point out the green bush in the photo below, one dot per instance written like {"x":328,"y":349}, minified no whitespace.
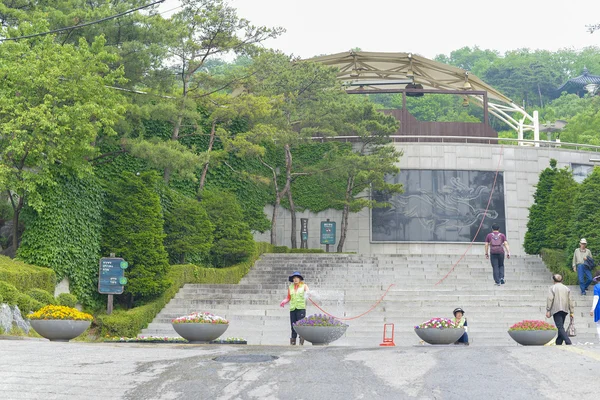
{"x":233,"y":240}
{"x":42,"y":296}
{"x":280,"y":249}
{"x":558,"y":262}
{"x":306,"y":251}
{"x":9,"y":293}
{"x":128,"y":323}
{"x":24,"y":276}
{"x":1,"y":299}
{"x":134,"y":230}
{"x":27,"y":304}
{"x":66,"y":299}
{"x":535,"y":237}
{"x":559,"y":210}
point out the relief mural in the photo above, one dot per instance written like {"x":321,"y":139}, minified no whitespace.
{"x":439,"y":206}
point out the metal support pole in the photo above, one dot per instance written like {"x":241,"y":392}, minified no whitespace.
{"x":109,"y":301}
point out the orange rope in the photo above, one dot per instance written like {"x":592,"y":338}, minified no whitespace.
{"x":482,"y":219}
{"x":358,"y":316}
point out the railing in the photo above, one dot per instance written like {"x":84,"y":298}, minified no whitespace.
{"x":473,"y":140}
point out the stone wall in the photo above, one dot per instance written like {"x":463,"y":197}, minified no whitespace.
{"x":521,"y":166}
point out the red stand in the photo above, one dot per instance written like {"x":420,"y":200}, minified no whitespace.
{"x":388,"y":341}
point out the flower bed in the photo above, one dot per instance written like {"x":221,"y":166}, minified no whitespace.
{"x":146,"y":339}
{"x":200,"y":318}
{"x":319,"y":320}
{"x":438,"y":323}
{"x":60,"y":313}
{"x":532,"y":325}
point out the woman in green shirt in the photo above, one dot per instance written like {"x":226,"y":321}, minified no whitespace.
{"x":461,"y":321}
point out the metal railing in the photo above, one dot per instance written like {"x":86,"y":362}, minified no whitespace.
{"x":473,"y":140}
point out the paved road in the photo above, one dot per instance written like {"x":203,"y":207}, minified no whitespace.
{"x":36,"y":369}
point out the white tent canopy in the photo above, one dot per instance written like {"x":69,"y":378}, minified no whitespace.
{"x":374,"y":71}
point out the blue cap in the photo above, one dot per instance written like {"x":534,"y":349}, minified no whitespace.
{"x":295,"y":273}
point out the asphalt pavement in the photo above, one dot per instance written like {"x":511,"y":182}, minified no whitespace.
{"x":38,"y":369}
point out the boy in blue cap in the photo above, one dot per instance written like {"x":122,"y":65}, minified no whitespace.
{"x":297,"y":294}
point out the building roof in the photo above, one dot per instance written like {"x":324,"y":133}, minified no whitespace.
{"x":575,"y":85}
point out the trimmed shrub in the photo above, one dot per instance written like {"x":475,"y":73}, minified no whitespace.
{"x":128,"y":323}
{"x":535,"y":237}
{"x":27,"y":304}
{"x":280,"y":249}
{"x":42,"y":296}
{"x":559,"y":211}
{"x":9,"y":293}
{"x":306,"y":251}
{"x":134,"y":230}
{"x":66,"y":299}
{"x":24,"y":276}
{"x":558,"y":262}
{"x":1,"y":299}
{"x":586,"y":215}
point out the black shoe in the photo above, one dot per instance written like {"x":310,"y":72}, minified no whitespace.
{"x":502,"y":281}
{"x":583,"y":293}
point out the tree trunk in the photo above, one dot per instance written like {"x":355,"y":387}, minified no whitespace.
{"x":274,"y":219}
{"x":293,"y":216}
{"x":279,"y":195}
{"x":17,"y":206}
{"x":345,"y":213}
{"x":210,"y":146}
{"x":174,"y":136}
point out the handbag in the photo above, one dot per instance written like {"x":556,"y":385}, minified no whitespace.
{"x":571,"y":331}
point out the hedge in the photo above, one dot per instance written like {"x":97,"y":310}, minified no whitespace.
{"x":128,"y":323}
{"x":26,"y":277}
{"x":285,"y":249}
{"x":12,"y":296}
{"x":558,"y":262}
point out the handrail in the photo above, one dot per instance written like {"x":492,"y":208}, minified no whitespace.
{"x":476,"y":140}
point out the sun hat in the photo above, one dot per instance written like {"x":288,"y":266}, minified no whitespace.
{"x":458,"y":310}
{"x":295,"y":273}
{"x":583,"y":241}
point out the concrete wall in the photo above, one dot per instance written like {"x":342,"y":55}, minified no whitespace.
{"x":521,"y":166}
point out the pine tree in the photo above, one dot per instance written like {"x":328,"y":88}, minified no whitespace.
{"x":536,"y":226}
{"x":586,"y":214}
{"x":133,"y":229}
{"x":559,"y":211}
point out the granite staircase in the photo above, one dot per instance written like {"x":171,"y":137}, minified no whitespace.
{"x":347,"y":285}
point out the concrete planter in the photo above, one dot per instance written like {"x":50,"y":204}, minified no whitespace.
{"x":440,"y":335}
{"x":59,"y":330}
{"x":321,"y":335}
{"x":532,"y":338}
{"x":200,"y":332}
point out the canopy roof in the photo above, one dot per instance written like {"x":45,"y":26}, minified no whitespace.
{"x":376,"y":71}
{"x":574,"y":85}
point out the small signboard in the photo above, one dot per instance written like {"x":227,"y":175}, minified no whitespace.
{"x":327,"y":232}
{"x":304,"y":229}
{"x":111,"y":277}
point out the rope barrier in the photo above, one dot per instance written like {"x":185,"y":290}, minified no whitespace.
{"x":480,"y":224}
{"x":358,"y":316}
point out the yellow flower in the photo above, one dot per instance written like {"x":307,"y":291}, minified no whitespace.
{"x":60,"y":312}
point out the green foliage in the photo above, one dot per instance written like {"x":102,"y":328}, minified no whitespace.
{"x":189,"y":231}
{"x":133,"y":230}
{"x":281,"y":249}
{"x":9,"y":293}
{"x":129,"y":323}
{"x":65,"y":235}
{"x":586,"y":214}
{"x":558,"y":262}
{"x":27,"y":304}
{"x":42,"y":296}
{"x":535,"y":237}
{"x":66,"y":299}
{"x":559,"y":210}
{"x":25,"y":277}
{"x":233,"y":240}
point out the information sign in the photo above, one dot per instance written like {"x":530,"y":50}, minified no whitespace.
{"x":327,"y":232}
{"x":111,"y":276}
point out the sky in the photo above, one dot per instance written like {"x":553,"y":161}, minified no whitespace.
{"x":426,"y":27}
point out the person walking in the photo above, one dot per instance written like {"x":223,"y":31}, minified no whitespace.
{"x":595,"y":312}
{"x":461,"y":321}
{"x":583,"y":273}
{"x":558,"y":305}
{"x":495,"y":244}
{"x":296,"y":296}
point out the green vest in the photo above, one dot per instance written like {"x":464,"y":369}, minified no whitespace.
{"x":297,"y":301}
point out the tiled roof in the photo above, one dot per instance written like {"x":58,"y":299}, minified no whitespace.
{"x":579,"y":82}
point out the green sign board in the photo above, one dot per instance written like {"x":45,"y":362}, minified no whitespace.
{"x":327,"y":232}
{"x":111,"y":277}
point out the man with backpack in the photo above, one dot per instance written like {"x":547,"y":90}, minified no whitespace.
{"x":495,"y":243}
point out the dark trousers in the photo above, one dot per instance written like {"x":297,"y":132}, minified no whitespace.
{"x":296,"y":315}
{"x":559,"y":321}
{"x":497,"y":261}
{"x":585,"y":277}
{"x":465,"y":337}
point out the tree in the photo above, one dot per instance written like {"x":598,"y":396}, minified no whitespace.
{"x":559,"y":211}
{"x":189,"y":231}
{"x":535,"y":237}
{"x":586,"y":215}
{"x":233,"y":240}
{"x":134,"y":230}
{"x":54,"y":100}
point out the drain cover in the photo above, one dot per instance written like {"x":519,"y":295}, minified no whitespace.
{"x":248,"y":358}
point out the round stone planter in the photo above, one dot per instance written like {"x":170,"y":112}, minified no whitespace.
{"x":199,"y":332}
{"x":440,"y":335}
{"x":59,"y":330}
{"x":321,"y":335}
{"x":532,"y":338}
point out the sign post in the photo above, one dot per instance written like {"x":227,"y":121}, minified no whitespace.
{"x":111,"y":278}
{"x":327,"y":234}
{"x":304,"y":233}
